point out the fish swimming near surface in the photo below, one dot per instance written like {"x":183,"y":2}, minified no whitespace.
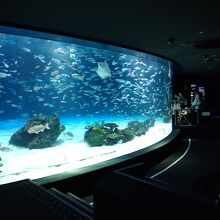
{"x":3,"y":75}
{"x":103,"y":70}
{"x":26,"y":49}
{"x":77,"y":76}
{"x":38,"y":128}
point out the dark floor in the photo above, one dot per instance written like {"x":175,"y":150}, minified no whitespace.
{"x":200,"y":167}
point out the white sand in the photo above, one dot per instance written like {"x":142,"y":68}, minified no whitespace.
{"x":22,"y":163}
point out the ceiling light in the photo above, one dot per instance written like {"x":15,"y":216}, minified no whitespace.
{"x":170,"y":41}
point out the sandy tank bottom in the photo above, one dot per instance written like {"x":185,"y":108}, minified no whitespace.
{"x":68,"y":153}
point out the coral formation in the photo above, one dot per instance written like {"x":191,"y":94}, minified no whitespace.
{"x":101,"y":133}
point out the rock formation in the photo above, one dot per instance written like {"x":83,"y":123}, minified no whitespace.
{"x":39,"y":132}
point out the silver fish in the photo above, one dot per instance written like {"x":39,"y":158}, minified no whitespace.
{"x":38,"y":128}
{"x":3,"y":75}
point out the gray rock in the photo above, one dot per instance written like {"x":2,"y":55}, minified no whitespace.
{"x":44,"y":138}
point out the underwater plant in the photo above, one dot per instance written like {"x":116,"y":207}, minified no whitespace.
{"x":97,"y":124}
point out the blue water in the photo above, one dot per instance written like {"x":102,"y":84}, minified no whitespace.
{"x":82,"y":82}
{"x":75,"y":125}
{"x":40,"y":76}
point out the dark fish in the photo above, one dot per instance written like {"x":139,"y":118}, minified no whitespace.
{"x":69,"y":133}
{"x":5,"y":149}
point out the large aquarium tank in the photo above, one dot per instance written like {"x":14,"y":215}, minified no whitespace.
{"x":69,"y":103}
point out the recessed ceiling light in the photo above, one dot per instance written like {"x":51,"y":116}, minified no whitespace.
{"x":170,"y":41}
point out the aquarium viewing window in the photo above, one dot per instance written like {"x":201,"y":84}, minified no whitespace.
{"x":68,"y":103}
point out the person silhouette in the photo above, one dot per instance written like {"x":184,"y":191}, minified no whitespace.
{"x":196,"y":106}
{"x":197,"y":102}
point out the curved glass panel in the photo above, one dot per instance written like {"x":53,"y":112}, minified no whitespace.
{"x":68,"y":103}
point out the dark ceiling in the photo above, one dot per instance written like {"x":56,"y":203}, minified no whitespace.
{"x":187,"y":32}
